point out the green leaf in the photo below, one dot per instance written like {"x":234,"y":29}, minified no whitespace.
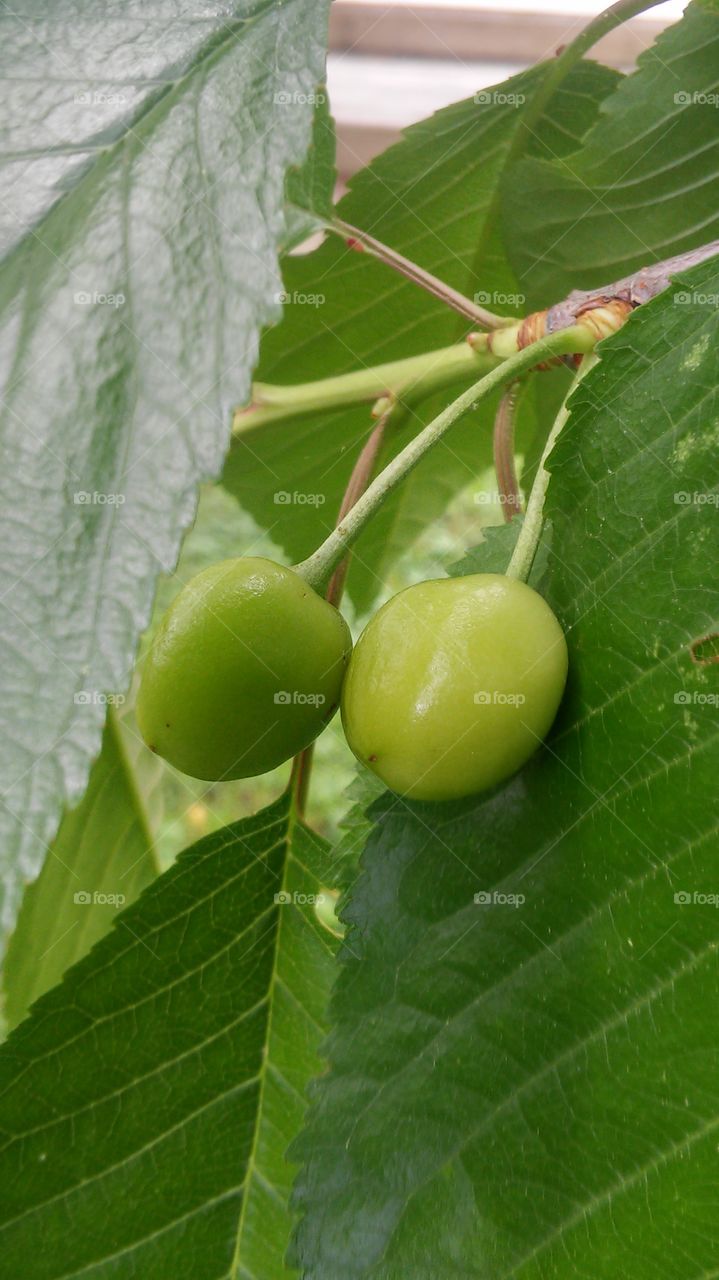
{"x":526,"y":1088}
{"x":139,"y":264}
{"x":643,"y":186}
{"x":101,"y":858}
{"x":493,"y":553}
{"x":355,"y":826}
{"x":147,"y":1101}
{"x":309,"y":186}
{"x":432,"y":197}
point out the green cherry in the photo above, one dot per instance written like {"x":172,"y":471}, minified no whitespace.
{"x":245,"y":671}
{"x":454,"y":684}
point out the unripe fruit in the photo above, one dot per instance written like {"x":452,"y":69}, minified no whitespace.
{"x":246,"y":670}
{"x":453,"y":685}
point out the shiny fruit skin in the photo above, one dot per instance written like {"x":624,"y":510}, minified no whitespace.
{"x":245,"y":670}
{"x":432,"y":701}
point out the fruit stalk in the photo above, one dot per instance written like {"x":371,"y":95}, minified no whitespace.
{"x":568,"y":56}
{"x":525,"y":549}
{"x":318,"y":568}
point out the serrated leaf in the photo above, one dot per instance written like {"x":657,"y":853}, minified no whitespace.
{"x":356,"y":825}
{"x":643,"y":186}
{"x":101,"y":858}
{"x":164,"y":1077}
{"x":309,"y":186}
{"x":432,"y":197}
{"x":493,"y":553}
{"x":524,"y":1087}
{"x":145,"y":163}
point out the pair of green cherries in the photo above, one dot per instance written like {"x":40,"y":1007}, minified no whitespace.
{"x":451,"y":687}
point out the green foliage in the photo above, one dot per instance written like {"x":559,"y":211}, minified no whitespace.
{"x":166,"y":1074}
{"x":643,"y":186}
{"x":518,"y":1086}
{"x":493,"y":553}
{"x":139,"y":263}
{"x":101,"y":858}
{"x":562,"y":1044}
{"x":309,"y":186}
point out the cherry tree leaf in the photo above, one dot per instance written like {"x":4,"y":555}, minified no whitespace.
{"x":144,"y":158}
{"x":102,"y":857}
{"x":166,"y":1074}
{"x":643,"y":186}
{"x":521,"y":1077}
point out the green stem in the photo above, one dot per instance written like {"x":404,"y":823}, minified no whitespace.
{"x":571,"y":54}
{"x":414,"y":375}
{"x":525,"y":549}
{"x":318,"y":568}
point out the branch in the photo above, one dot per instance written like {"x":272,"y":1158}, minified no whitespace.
{"x":601,"y":311}
{"x":632,"y":290}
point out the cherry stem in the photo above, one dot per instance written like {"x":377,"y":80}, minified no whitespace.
{"x":356,"y":486}
{"x":504,"y":464}
{"x":318,"y":568}
{"x":568,"y":57}
{"x":525,"y":548}
{"x":300,"y":779}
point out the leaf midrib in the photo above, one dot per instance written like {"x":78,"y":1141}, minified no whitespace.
{"x":271,"y":986}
